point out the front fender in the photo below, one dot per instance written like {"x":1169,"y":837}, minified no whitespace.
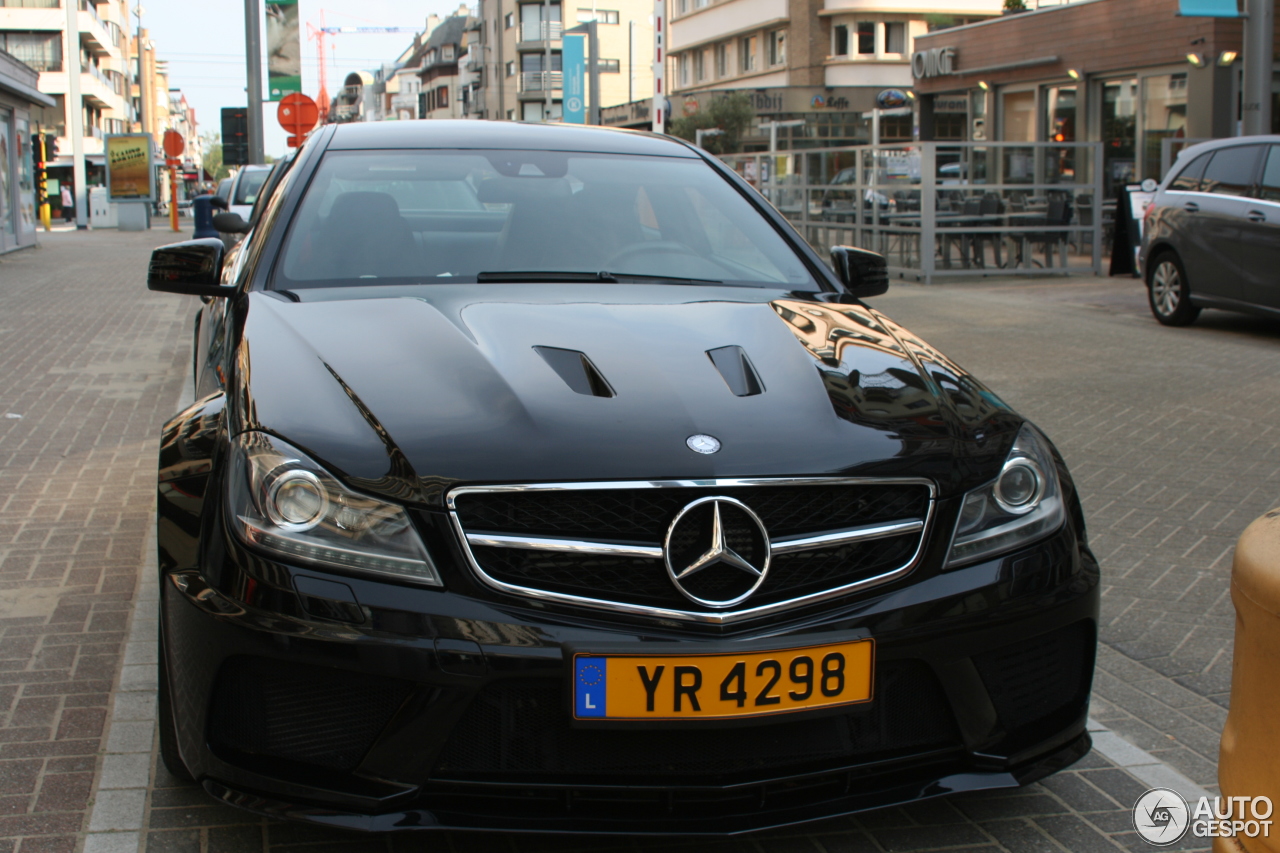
{"x":187,"y":447}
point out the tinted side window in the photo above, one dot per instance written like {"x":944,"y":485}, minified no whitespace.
{"x":1270,"y":189}
{"x":1188,"y":180}
{"x":1230,"y":172}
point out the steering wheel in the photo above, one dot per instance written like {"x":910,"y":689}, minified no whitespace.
{"x":669,"y":247}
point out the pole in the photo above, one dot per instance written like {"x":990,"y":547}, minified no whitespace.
{"x":253,"y":65}
{"x":593,"y":74}
{"x":546,"y":60}
{"x":142,"y":92}
{"x":659,"y":67}
{"x":498,"y":79}
{"x":173,"y":198}
{"x":74,"y":112}
{"x":45,"y":216}
{"x":1259,"y":52}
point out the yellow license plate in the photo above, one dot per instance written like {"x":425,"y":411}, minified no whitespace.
{"x":720,"y":686}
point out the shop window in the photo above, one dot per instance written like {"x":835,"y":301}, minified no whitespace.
{"x":1164,"y":116}
{"x":895,"y":37}
{"x":1019,"y":116}
{"x":866,"y":38}
{"x":896,"y":128}
{"x":1060,"y":113}
{"x":840,"y":40}
{"x":722,"y":60}
{"x":747,"y":47}
{"x":949,"y":126}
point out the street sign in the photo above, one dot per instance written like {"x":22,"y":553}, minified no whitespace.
{"x":174,"y":144}
{"x":297,"y":114}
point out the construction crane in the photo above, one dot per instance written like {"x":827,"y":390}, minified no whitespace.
{"x":319,"y":33}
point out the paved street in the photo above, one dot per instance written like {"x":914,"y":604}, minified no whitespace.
{"x":1169,"y":433}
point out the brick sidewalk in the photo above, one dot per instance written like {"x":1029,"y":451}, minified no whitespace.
{"x":92,"y":362}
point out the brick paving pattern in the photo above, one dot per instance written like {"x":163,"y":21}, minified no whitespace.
{"x":1168,"y":431}
{"x":90,"y":360}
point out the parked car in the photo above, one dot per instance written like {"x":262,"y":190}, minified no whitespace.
{"x":1211,"y":237}
{"x":544,"y":478}
{"x":245,"y":187}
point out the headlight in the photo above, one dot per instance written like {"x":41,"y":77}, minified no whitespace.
{"x":1022,"y":504}
{"x":283,"y":503}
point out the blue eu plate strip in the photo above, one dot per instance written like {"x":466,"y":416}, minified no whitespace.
{"x":590,"y":675}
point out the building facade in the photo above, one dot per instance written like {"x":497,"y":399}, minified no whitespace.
{"x":1048,"y":76}
{"x":19,"y":98}
{"x":515,"y":62}
{"x":824,"y":63}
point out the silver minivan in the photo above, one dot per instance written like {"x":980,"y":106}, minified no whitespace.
{"x":1211,"y":238}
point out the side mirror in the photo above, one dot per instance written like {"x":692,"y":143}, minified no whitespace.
{"x":230,"y":223}
{"x":193,"y":267}
{"x":220,"y":203}
{"x":863,"y":273}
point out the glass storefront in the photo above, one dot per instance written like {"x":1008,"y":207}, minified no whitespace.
{"x":8,"y":160}
{"x":1119,"y":121}
{"x":1164,"y":116}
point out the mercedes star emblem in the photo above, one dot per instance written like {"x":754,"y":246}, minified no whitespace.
{"x":717,"y":552}
{"x":703,"y":443}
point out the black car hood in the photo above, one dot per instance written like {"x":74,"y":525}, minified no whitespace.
{"x":407,"y":391}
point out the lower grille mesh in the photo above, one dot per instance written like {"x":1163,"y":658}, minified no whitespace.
{"x":1035,"y":680}
{"x":521,"y":727}
{"x":314,"y":715}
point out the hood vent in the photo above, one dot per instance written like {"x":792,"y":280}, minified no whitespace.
{"x":576,"y":370}
{"x":737,"y":370}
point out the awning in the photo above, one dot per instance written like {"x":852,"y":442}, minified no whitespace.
{"x":1209,"y":9}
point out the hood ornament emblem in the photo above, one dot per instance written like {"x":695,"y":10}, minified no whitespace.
{"x":717,"y":552}
{"x":704,"y":444}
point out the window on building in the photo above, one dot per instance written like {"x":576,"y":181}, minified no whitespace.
{"x":700,"y":65}
{"x":511,"y":69}
{"x":432,"y":56}
{"x":602,"y":16}
{"x":682,"y":69}
{"x":446,"y":53}
{"x":442,"y":97}
{"x":509,"y":21}
{"x":866,"y":38}
{"x":778,"y":47}
{"x":701,"y":4}
{"x":895,"y":37}
{"x":609,"y":66}
{"x":840,"y":40}
{"x":722,"y":60}
{"x":511,"y":115}
{"x":747,"y":47}
{"x":682,"y":6}
{"x":42,"y":51}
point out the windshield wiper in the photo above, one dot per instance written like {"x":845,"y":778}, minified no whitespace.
{"x":674,"y":279}
{"x":505,"y":276}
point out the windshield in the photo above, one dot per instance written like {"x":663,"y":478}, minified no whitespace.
{"x":391,"y":217}
{"x":249,"y":185}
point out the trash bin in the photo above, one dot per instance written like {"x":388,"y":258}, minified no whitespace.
{"x":202,"y":209}
{"x":1247,"y":760}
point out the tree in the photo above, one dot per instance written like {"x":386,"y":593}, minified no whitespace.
{"x":213,"y":164}
{"x":731,"y":112}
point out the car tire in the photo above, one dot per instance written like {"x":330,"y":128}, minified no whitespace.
{"x":168,"y":726}
{"x":1168,"y":293}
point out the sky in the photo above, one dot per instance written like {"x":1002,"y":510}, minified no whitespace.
{"x":206,"y":52}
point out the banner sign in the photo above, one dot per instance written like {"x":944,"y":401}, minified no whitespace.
{"x":574,"y":63}
{"x":284,"y":49}
{"x":129,"y":173}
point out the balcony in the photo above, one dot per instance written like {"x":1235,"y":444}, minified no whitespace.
{"x":30,"y":4}
{"x":539,"y":31}
{"x":540,"y":81}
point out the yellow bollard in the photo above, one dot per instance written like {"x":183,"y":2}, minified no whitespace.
{"x":1249,"y":758}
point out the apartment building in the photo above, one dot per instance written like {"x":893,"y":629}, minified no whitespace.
{"x":824,"y":62}
{"x":515,"y":63}
{"x":35,"y":32}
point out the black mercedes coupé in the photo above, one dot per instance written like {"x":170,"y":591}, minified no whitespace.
{"x":543,"y":478}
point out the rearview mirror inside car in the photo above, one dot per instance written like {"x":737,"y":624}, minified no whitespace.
{"x":230,"y":223}
{"x":193,"y":267}
{"x":863,"y":273}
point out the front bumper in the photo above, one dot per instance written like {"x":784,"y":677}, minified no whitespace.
{"x":439,"y":710}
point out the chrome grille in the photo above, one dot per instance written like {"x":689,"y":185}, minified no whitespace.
{"x":601,"y":544}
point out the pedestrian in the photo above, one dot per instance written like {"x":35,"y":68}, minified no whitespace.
{"x":68,"y":204}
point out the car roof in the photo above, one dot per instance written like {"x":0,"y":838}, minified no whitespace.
{"x":504,"y":135}
{"x":1213,"y":144}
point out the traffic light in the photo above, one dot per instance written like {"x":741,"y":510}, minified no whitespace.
{"x":50,"y":147}
{"x":235,"y":136}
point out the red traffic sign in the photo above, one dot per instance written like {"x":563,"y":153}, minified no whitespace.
{"x":297,"y":114}
{"x":174,"y":144}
